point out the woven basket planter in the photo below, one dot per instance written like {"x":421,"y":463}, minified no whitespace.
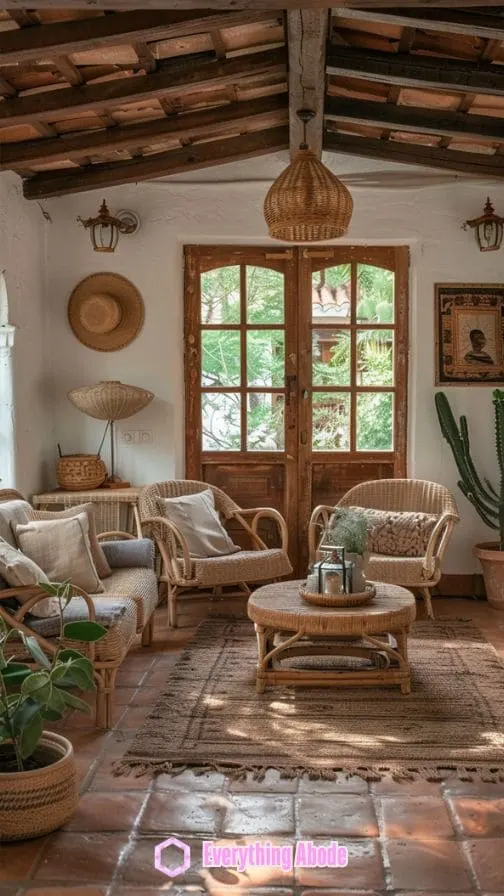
{"x":77,"y":472}
{"x":34,"y":803}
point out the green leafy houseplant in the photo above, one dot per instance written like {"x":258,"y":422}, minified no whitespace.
{"x":29,"y":697}
{"x":348,"y":528}
{"x":487,"y":500}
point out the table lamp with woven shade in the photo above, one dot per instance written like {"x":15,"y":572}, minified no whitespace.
{"x":307,"y":202}
{"x":111,"y":400}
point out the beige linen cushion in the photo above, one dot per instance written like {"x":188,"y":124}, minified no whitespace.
{"x":99,"y":558}
{"x":62,"y":549}
{"x":18,"y":570}
{"x":398,"y":533}
{"x":196,"y":517}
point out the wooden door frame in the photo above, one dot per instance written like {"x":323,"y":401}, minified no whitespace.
{"x":297,"y":458}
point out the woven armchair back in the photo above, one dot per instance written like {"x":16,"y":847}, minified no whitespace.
{"x":401,"y":495}
{"x":174,"y":488}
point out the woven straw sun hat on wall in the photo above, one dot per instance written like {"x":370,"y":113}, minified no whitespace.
{"x":106,"y":312}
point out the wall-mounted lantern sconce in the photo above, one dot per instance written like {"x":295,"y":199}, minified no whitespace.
{"x":105,"y":228}
{"x":489,"y":228}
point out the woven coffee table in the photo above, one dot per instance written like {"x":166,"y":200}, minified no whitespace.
{"x":287,"y":626}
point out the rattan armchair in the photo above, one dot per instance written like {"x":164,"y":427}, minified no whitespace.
{"x":400,"y":495}
{"x":228,"y":575}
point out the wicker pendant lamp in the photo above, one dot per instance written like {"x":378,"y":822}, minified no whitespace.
{"x":307,"y":202}
{"x":111,"y":400}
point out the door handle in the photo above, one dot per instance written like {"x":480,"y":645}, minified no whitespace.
{"x":306,"y":394}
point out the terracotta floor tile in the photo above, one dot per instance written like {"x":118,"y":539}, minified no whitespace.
{"x":364,"y":869}
{"x":17,"y":860}
{"x":480,"y":789}
{"x":420,"y":817}
{"x":388,"y":787}
{"x":81,"y":857}
{"x":134,"y":717}
{"x":341,"y":784}
{"x":106,"y":812}
{"x":64,"y":891}
{"x":429,"y":865}
{"x":487,"y":857}
{"x":182,"y":813}
{"x":189,"y":780}
{"x":259,"y":814}
{"x":480,"y":817}
{"x":147,"y":696}
{"x":272,"y":782}
{"x":345,"y":815}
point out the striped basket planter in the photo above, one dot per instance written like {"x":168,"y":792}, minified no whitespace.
{"x":34,"y":803}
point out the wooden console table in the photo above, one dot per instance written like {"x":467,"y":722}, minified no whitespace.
{"x":116,"y":508}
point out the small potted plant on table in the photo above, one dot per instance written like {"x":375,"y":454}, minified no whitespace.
{"x":349,"y":529}
{"x":38,"y":782}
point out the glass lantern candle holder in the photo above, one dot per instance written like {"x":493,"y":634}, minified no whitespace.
{"x":332,"y":566}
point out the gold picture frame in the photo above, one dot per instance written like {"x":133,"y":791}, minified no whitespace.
{"x":469,"y":321}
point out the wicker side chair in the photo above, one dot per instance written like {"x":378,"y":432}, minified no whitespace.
{"x":400,"y":495}
{"x":216,"y":577}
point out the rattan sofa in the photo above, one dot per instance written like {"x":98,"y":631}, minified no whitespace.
{"x":216,"y":577}
{"x":126,"y":607}
{"x":400,"y":495}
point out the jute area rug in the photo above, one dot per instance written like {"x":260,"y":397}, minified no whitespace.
{"x":210,"y":716}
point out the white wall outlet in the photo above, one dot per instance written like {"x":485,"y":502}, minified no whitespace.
{"x":129,"y":436}
{"x":145,"y":437}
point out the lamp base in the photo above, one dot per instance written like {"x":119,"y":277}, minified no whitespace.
{"x":115,"y":482}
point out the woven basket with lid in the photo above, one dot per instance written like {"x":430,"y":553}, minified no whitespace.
{"x":77,"y":472}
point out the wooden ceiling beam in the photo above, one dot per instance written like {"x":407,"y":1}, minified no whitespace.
{"x":306,"y":40}
{"x":190,"y":158}
{"x":169,"y":80}
{"x":407,"y":118}
{"x":428,"y":72}
{"x":79,"y":35}
{"x":451,"y":21}
{"x":479,"y":164}
{"x":250,"y":4}
{"x":265,"y":110}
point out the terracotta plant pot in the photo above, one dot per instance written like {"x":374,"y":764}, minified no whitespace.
{"x":39,"y":801}
{"x":492,"y":562}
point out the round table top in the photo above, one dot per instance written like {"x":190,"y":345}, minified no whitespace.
{"x":281,"y":606}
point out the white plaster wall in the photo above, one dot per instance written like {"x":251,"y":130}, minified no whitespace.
{"x":174,"y":214}
{"x":22,"y":259}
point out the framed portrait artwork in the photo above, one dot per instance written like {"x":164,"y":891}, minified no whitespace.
{"x":469,"y":334}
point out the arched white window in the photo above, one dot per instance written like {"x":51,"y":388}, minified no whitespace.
{"x":7,"y":450}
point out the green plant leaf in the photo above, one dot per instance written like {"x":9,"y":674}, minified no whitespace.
{"x":84,"y":631}
{"x":24,"y":714}
{"x":30,"y":736}
{"x":57,"y":702}
{"x":36,"y":651}
{"x":50,"y":715}
{"x":68,"y":653}
{"x":76,"y":702}
{"x":80,"y":674}
{"x":38,"y":685}
{"x":15,"y":673}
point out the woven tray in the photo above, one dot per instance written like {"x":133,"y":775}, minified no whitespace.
{"x":339,"y":600}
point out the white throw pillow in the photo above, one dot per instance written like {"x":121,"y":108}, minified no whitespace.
{"x":61,"y":548}
{"x":18,"y":570}
{"x":197,"y":519}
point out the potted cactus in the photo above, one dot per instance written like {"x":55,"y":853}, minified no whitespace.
{"x":487,"y":500}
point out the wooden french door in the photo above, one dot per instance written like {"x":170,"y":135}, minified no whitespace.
{"x":295,"y":373}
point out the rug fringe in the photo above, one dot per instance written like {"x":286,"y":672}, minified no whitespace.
{"x":487,"y":774}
